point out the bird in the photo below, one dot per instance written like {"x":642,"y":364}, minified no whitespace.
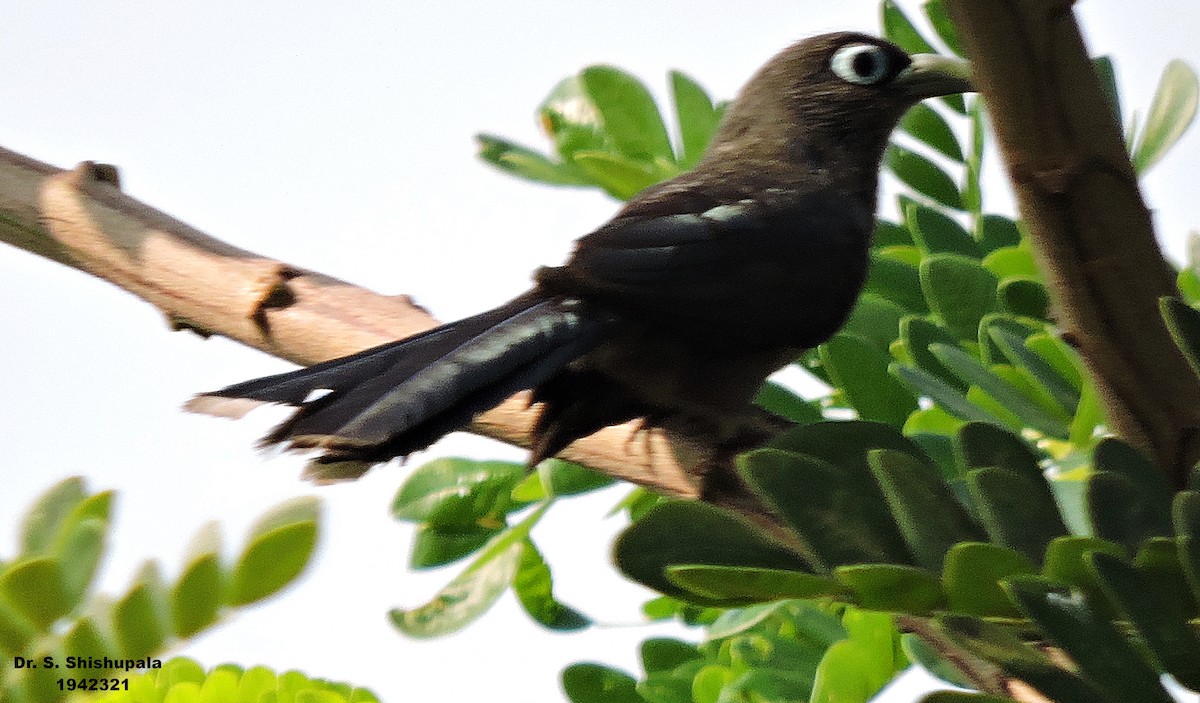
{"x":677,"y":309}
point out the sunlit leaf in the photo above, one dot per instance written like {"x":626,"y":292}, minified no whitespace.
{"x":631,"y":117}
{"x":1171,"y":113}
{"x":526,"y":163}
{"x":695,"y":116}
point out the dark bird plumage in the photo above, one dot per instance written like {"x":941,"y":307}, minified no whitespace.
{"x":679,"y":307}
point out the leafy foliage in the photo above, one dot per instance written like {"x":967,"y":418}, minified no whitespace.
{"x":47,"y":607}
{"x":183,"y":679}
{"x":975,"y":489}
{"x":464,"y":507}
{"x":787,"y":650}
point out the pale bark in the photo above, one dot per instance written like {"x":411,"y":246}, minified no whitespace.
{"x":80,"y":218}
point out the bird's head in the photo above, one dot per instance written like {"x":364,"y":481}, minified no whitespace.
{"x":831,"y":101}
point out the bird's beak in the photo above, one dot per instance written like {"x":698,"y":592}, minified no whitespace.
{"x":931,"y":75}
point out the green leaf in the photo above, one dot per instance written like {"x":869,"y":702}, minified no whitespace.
{"x":1036,"y":368}
{"x":1159,"y":560}
{"x":972,"y":188}
{"x":859,"y":369}
{"x":846,"y":673}
{"x":969,"y":369}
{"x":222,"y":685}
{"x":1122,"y":512}
{"x":1188,"y":283}
{"x":16,"y":631}
{"x":571,"y":119}
{"x":1069,"y":489}
{"x":436,"y":545}
{"x":197,"y":596}
{"x":931,"y":422}
{"x":1183,"y":322}
{"x":899,"y":30}
{"x":1119,"y":457}
{"x":455,"y":492}
{"x":998,"y":233}
{"x":925,"y":656}
{"x":140,"y":619}
{"x":929,"y":517}
{"x":630,"y":115}
{"x":256,"y":682}
{"x":468,"y":595}
{"x":937,"y":233}
{"x":939,"y":19}
{"x":43,"y":520}
{"x":475,"y":589}
{"x":86,"y":639}
{"x":892,"y":587}
{"x":1186,"y":517}
{"x":526,"y":163}
{"x":564,"y":479}
{"x":959,"y":290}
{"x":733,"y":621}
{"x":940,"y":448}
{"x":709,"y":683}
{"x":34,"y":588}
{"x":908,"y":254}
{"x":1024,"y":296}
{"x":751,"y":584}
{"x":79,"y":555}
{"x":889,"y":234}
{"x":897,"y":282}
{"x":277,"y":550}
{"x":1171,"y":113}
{"x":982,"y":445}
{"x":1102,"y":653}
{"x":671,"y":686}
{"x":831,"y":501}
{"x":1007,"y":262}
{"x":991,"y":353}
{"x":918,"y":334}
{"x":596,"y":683}
{"x":620,"y":176}
{"x":855,"y":669}
{"x":695,"y":116}
{"x":636,"y":503}
{"x":948,"y":398}
{"x":665,"y":654}
{"x":571,"y":479}
{"x":876,"y":320}
{"x":1159,"y":620}
{"x":693,"y":533}
{"x":923,"y":176}
{"x":1106,"y":74}
{"x":777,"y":399}
{"x":924,"y":123}
{"x":1016,"y":511}
{"x":1055,"y":352}
{"x":994,"y":643}
{"x":535,"y":591}
{"x":1066,"y":563}
{"x":972,"y":577}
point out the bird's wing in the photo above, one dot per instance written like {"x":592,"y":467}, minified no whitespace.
{"x":719,"y":265}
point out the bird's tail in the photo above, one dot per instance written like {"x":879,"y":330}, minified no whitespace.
{"x":401,"y":397}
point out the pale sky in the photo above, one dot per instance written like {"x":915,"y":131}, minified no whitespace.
{"x":341,"y":140}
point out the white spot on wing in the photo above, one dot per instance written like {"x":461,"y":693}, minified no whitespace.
{"x":235,"y":408}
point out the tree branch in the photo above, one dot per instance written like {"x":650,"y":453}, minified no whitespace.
{"x":1091,"y":230}
{"x":81,"y":219}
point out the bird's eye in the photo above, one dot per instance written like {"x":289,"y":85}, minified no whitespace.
{"x":861,"y":64}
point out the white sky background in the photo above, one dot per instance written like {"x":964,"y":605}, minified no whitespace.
{"x":341,"y":140}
